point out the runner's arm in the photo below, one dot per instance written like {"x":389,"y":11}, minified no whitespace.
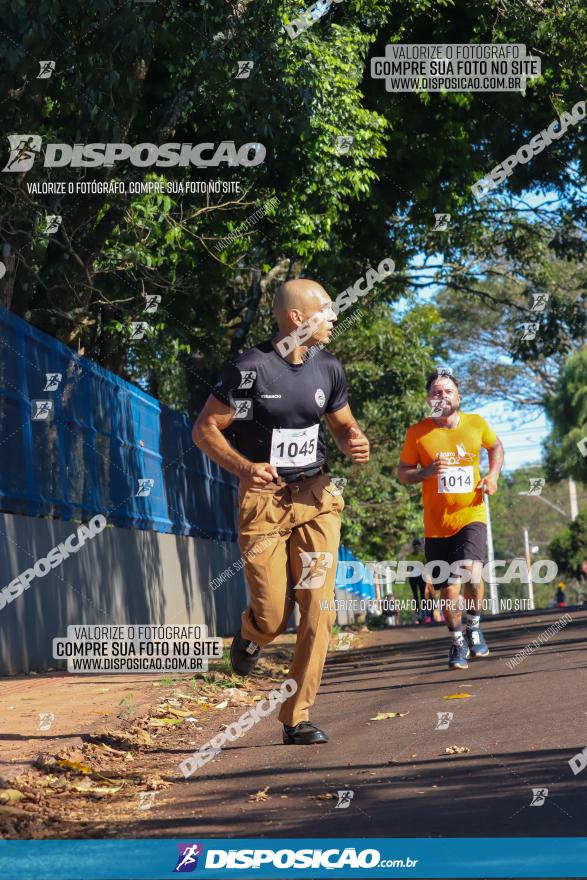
{"x":411,"y":473}
{"x":408,"y":471}
{"x":496,"y":456}
{"x":348,"y":435}
{"x":207,"y":435}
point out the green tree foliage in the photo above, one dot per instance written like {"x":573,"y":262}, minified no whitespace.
{"x":542,"y":514}
{"x":487,"y":318}
{"x":566,"y":448}
{"x":166,"y":72}
{"x":569,"y":549}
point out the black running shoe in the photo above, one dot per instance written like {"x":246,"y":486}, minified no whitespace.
{"x":303,"y":734}
{"x":244,"y":654}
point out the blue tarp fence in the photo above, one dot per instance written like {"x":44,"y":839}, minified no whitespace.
{"x":354,"y":576}
{"x":76,"y":440}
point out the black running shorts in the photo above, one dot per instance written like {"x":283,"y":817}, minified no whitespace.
{"x":469,"y":543}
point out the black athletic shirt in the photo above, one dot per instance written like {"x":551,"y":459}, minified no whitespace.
{"x":279,"y":405}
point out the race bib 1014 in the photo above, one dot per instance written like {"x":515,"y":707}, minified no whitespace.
{"x":294,"y":447}
{"x":456,"y":480}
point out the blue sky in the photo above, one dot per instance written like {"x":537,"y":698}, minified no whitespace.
{"x":522,"y":443}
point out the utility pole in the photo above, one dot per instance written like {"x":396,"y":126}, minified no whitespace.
{"x":491,"y":560}
{"x":573,"y":498}
{"x":388,"y":614}
{"x":528,"y":568}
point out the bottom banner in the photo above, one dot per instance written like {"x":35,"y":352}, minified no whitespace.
{"x":479,"y":857}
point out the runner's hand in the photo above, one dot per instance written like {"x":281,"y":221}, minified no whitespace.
{"x":258,"y":475}
{"x":488,"y":483}
{"x":438,"y":466}
{"x":357,"y":446}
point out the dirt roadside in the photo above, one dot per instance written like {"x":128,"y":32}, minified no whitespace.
{"x":78,"y":750}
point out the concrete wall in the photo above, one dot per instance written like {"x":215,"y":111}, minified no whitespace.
{"x":119,"y":576}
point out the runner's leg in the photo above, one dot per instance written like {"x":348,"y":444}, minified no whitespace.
{"x":473,"y":552}
{"x":319,"y":534}
{"x":451,"y":605}
{"x":416,"y":586}
{"x":443,"y":550}
{"x":474,"y":592}
{"x":263,"y":540}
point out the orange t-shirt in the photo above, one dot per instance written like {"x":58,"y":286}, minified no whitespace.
{"x":452,"y":501}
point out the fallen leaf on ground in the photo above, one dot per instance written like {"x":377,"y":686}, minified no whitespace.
{"x":221,"y":705}
{"x":260,"y":795}
{"x":381,"y":716}
{"x":325,"y":796}
{"x":179,"y":713}
{"x":11,"y":795}
{"x":48,"y":780}
{"x":457,"y":697}
{"x":120,"y":739}
{"x":164,"y":722}
{"x":65,"y":764}
{"x":14,"y":811}
{"x":106,"y":748}
{"x":157,"y":783}
{"x":456,"y":750}
{"x":85,"y":786}
{"x":96,"y":790}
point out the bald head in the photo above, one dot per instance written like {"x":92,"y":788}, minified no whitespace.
{"x":305,"y":316}
{"x":302,"y":294}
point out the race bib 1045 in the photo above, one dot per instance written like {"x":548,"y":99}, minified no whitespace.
{"x":294,"y":447}
{"x":456,"y":480}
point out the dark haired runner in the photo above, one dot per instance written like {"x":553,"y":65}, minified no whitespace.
{"x":442,"y":453}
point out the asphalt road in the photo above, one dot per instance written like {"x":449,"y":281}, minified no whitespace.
{"x":520,"y":726}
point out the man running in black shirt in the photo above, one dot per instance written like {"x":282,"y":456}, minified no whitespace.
{"x":262,"y":422}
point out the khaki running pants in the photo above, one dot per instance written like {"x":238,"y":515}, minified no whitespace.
{"x":278,"y":526}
